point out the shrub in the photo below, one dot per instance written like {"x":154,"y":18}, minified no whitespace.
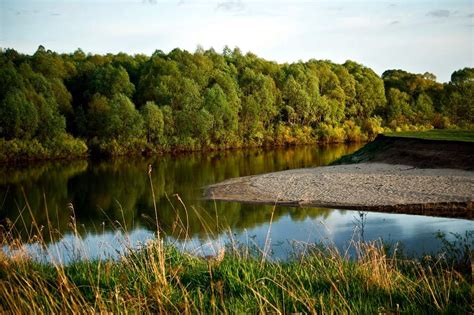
{"x":303,"y":135}
{"x":65,"y":146}
{"x":441,"y":122}
{"x":352,"y":131}
{"x":283,"y":135}
{"x":372,"y":126}
{"x":16,"y":149}
{"x":330,"y":134}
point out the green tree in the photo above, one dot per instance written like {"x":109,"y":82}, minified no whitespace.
{"x":168,"y":122}
{"x":126,"y":121}
{"x":115,"y":118}
{"x":10,"y":79}
{"x":398,"y":105}
{"x":18,"y":117}
{"x":424,"y":108}
{"x":223,"y":118}
{"x":259,"y":106}
{"x":39,"y":92}
{"x":459,"y":97}
{"x":462,"y":76}
{"x":370,"y":91}
{"x":153,"y":122}
{"x":295,"y":97}
{"x":109,"y":81}
{"x":98,"y":117}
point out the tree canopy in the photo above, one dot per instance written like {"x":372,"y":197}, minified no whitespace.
{"x":121,"y":103}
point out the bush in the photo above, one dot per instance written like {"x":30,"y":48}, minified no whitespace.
{"x":16,"y":149}
{"x":353,"y":132}
{"x":115,"y":147}
{"x":372,"y":127}
{"x":330,"y":134}
{"x":283,"y":135}
{"x":441,"y":122}
{"x":63,"y":146}
{"x":303,"y":135}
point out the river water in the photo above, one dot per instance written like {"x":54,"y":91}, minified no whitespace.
{"x":98,"y":209}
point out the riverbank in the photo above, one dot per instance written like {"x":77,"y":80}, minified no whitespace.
{"x":390,"y":174}
{"x":418,"y":150}
{"x":161,"y":279}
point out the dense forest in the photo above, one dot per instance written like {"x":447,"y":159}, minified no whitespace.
{"x":64,"y":105}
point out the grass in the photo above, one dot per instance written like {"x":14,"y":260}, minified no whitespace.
{"x":437,"y":134}
{"x":158,"y":278}
{"x":322,"y":281}
{"x":366,"y":153}
{"x":386,"y":142}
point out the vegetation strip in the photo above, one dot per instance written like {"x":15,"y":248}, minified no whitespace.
{"x":160,"y":279}
{"x":55,"y":106}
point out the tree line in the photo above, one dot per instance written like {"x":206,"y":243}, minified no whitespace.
{"x":62,"y":105}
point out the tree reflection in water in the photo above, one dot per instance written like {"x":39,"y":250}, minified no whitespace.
{"x":116,"y":193}
{"x":113,"y":207}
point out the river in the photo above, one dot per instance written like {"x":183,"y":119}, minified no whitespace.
{"x":100,"y":208}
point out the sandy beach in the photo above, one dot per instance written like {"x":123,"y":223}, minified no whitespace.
{"x":368,"y":186}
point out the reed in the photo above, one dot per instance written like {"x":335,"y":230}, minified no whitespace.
{"x":162,"y":278}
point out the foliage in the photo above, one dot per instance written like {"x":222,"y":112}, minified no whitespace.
{"x":205,"y":100}
{"x":62,"y":147}
{"x":153,"y":122}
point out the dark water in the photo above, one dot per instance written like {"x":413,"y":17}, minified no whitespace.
{"x":96,"y":209}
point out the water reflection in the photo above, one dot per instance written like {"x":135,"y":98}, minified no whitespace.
{"x":117,"y":192}
{"x":72,"y":247}
{"x":98,"y":198}
{"x":413,"y":234}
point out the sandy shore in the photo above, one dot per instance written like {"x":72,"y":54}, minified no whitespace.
{"x":365,"y":186}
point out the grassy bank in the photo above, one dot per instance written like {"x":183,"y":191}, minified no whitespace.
{"x":437,"y":134}
{"x":429,"y":149}
{"x":160,"y":279}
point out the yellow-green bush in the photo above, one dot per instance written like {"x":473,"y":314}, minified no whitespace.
{"x":353,"y":132}
{"x":64,"y":146}
{"x":330,"y":134}
{"x":372,"y":126}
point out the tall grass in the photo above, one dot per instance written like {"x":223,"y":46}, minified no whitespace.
{"x":322,"y":281}
{"x":160,"y":278}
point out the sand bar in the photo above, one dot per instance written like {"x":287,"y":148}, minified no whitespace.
{"x":364,"y":186}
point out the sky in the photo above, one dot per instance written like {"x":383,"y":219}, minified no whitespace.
{"x":417,"y":36}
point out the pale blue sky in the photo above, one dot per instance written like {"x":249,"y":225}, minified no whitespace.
{"x":416,"y":36}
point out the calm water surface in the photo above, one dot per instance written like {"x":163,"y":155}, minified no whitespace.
{"x":110,"y":205}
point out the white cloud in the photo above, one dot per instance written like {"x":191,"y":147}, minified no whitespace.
{"x":365,"y":31}
{"x":439,"y":13}
{"x":231,"y":5}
